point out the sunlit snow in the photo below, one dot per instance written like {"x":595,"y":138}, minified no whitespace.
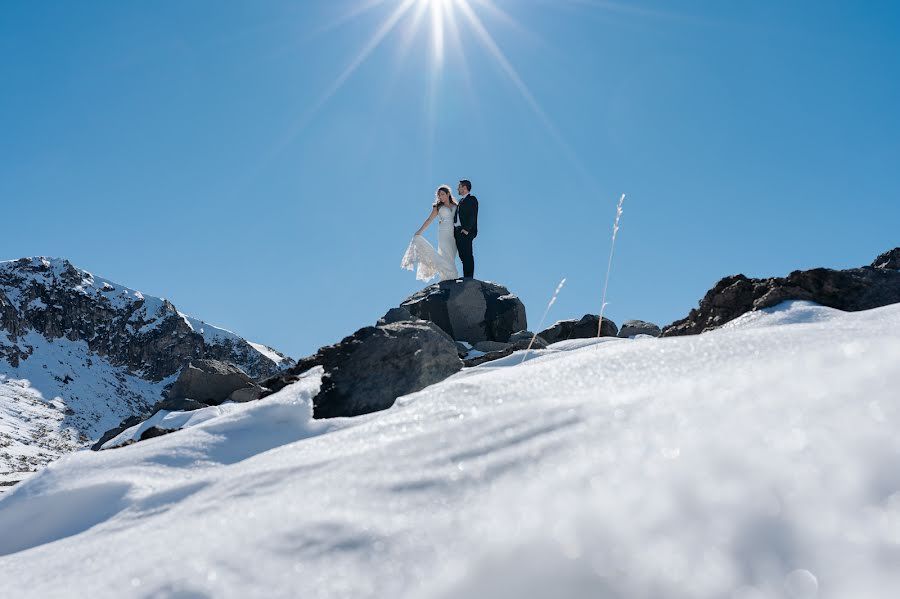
{"x":758,"y":461}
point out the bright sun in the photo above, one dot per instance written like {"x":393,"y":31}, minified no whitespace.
{"x":449,"y":22}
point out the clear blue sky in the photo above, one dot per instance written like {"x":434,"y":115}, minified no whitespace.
{"x":264,"y":164}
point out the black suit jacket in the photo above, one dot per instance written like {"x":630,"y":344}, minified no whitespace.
{"x":468,"y":215}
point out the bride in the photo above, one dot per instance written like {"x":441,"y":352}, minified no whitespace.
{"x":433,"y":263}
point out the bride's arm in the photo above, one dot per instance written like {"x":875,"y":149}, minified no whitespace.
{"x":431,"y":217}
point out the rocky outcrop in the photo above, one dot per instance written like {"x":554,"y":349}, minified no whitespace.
{"x":371,"y":368}
{"x":889,"y":260}
{"x":212,"y":382}
{"x":585,"y":328}
{"x":849,"y":290}
{"x":630,"y":328}
{"x":469,"y":310}
{"x":147,"y":335}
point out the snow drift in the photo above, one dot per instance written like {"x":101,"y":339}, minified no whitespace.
{"x":756,"y":461}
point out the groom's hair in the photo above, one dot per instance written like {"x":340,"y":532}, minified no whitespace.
{"x":467,"y":184}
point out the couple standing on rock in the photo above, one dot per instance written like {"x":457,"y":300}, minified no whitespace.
{"x":457,"y":228}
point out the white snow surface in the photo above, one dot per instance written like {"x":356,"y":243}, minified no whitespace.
{"x":59,"y":399}
{"x":760,"y":460}
{"x":268,"y":352}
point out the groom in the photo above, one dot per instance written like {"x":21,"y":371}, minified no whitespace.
{"x":465,"y":227}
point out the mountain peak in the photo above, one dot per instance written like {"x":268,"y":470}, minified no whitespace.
{"x":79,"y":352}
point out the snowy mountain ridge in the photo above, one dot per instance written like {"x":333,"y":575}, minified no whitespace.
{"x":757,"y":461}
{"x":78,"y":353}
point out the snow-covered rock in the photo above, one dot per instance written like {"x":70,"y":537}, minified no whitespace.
{"x":759,"y":460}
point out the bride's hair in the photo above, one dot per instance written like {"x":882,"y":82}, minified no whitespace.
{"x":437,"y":197}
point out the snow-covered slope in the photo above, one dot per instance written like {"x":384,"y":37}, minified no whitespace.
{"x":758,"y":461}
{"x":79,"y":353}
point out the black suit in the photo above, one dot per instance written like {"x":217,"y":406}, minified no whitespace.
{"x":467,"y":214}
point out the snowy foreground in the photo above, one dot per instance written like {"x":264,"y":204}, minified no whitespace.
{"x":758,"y":461}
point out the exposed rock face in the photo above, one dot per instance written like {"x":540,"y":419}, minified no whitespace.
{"x":585,"y":328}
{"x":849,"y":290}
{"x":145,"y":334}
{"x":371,"y":368}
{"x":630,"y":328}
{"x":210,"y":382}
{"x":889,"y":260}
{"x":469,"y":310}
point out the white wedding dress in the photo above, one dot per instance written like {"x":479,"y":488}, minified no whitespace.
{"x":428,"y":263}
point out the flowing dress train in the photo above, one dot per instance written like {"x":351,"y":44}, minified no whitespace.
{"x":428,"y":262}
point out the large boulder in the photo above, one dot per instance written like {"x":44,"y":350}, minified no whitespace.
{"x":374,"y":366}
{"x":585,"y":328}
{"x":849,"y":290}
{"x":209,"y":381}
{"x":630,"y":328}
{"x":469,"y":310}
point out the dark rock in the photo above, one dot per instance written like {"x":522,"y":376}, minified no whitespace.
{"x":510,"y":348}
{"x":849,"y":290}
{"x":630,"y":328}
{"x":115,"y":432}
{"x":889,"y":260}
{"x":396,"y":315}
{"x":462,"y":349}
{"x":527,"y":335}
{"x":490,"y":346}
{"x":469,"y":309}
{"x":154,"y":431}
{"x":209,"y":381}
{"x":585,"y":328}
{"x":374,"y":366}
{"x":177,"y":404}
{"x":246,"y":394}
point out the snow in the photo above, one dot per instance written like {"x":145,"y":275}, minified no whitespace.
{"x":760,"y":460}
{"x":60,"y":398}
{"x":36,"y":304}
{"x":267,"y":352}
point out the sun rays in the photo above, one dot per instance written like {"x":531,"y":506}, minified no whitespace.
{"x":453,"y":30}
{"x":446,"y":18}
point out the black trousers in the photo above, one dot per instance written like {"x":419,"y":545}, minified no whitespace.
{"x":464,"y":247}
